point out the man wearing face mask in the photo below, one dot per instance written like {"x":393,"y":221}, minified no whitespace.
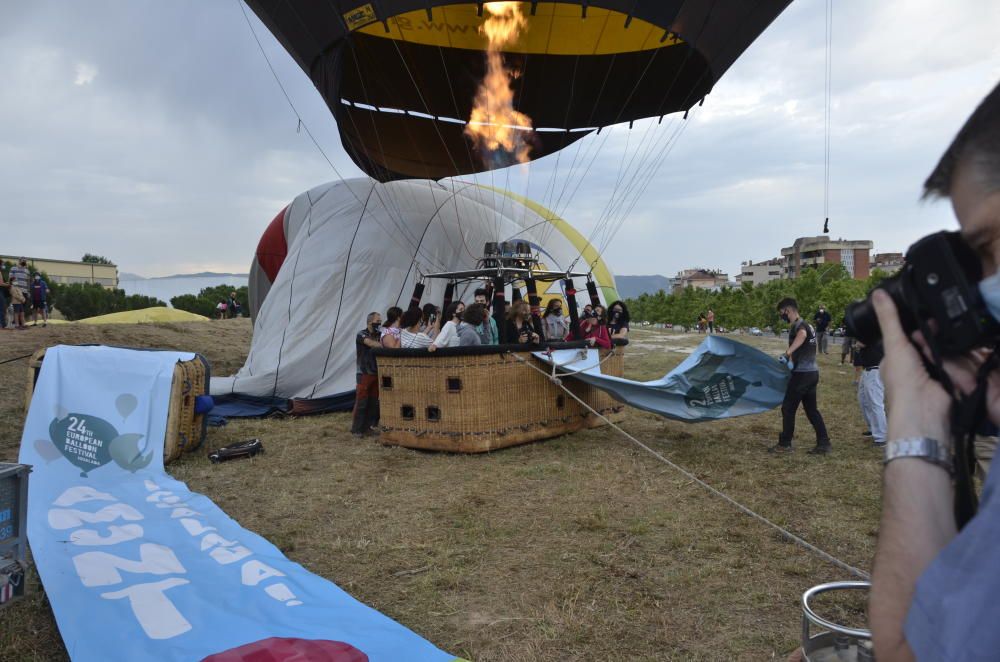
{"x":801,"y":359}
{"x":934,"y":589}
{"x":366,"y":406}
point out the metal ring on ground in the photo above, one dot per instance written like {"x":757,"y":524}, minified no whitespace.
{"x":822,"y":622}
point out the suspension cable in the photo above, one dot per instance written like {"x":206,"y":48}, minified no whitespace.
{"x":826,"y":556}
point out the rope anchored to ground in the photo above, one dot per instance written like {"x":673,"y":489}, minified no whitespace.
{"x":826,"y":556}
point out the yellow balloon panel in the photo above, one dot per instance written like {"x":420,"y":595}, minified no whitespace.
{"x":555,"y":29}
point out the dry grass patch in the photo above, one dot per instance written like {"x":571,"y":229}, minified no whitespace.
{"x":579,"y":548}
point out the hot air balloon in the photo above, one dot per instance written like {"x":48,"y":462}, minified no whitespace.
{"x":344,"y":249}
{"x":403,"y":77}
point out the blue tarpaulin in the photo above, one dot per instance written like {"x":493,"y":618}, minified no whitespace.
{"x":722,"y":378}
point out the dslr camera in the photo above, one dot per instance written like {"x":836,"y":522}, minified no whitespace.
{"x":938,"y":285}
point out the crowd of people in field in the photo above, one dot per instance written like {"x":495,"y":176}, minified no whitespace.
{"x":21,"y":294}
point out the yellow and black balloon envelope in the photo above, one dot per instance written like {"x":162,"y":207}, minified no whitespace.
{"x":401,"y":76}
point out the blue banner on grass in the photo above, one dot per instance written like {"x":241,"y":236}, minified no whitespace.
{"x":722,"y":378}
{"x":138,"y":567}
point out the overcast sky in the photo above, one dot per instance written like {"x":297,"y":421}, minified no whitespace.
{"x":153,"y":133}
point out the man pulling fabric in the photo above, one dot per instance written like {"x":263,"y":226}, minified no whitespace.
{"x":801,"y":357}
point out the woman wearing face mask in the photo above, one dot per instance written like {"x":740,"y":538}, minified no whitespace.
{"x":553,"y":323}
{"x":597,"y":335}
{"x":448,"y":337}
{"x":618,"y":320}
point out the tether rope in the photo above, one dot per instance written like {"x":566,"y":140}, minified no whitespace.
{"x":16,"y":358}
{"x":687,"y":474}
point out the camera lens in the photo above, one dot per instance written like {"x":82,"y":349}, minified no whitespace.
{"x":861,"y":320}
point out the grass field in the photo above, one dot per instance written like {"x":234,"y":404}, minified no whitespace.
{"x":582,"y":547}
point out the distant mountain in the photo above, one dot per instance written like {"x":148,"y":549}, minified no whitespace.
{"x":208,"y":274}
{"x":629,"y":287}
{"x":124,"y":275}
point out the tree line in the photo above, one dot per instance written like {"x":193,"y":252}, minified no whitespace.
{"x":78,"y":301}
{"x":755,"y":305}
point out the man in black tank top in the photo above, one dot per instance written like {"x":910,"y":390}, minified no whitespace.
{"x":802,"y":386}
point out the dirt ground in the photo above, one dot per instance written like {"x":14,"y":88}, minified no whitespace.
{"x":582,"y":547}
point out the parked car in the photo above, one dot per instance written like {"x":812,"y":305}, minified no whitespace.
{"x":754,"y":331}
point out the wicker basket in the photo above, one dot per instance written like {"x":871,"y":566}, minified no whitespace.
{"x":185,"y":429}
{"x":450,"y":401}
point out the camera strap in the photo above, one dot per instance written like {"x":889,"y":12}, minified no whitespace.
{"x":968,"y":411}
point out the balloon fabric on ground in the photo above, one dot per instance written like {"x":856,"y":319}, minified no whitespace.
{"x":722,"y":378}
{"x":345,"y":249}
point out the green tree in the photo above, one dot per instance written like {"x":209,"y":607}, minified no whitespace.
{"x":206,"y":300}
{"x":95,"y":259}
{"x":82,"y":300}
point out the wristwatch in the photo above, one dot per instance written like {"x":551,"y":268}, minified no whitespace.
{"x":925,"y":448}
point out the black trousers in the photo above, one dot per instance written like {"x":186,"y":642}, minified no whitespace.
{"x":802,"y":389}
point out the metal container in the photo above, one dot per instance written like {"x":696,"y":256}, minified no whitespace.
{"x":835,"y":643}
{"x":13,"y":530}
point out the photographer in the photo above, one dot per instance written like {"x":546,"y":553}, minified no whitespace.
{"x":933,"y":591}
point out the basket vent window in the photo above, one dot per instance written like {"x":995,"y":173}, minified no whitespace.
{"x":454,"y":384}
{"x":387,"y":381}
{"x":407,"y":412}
{"x":433,"y":413}
{"x":560,"y":401}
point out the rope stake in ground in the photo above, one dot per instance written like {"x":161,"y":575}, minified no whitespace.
{"x":760,"y":518}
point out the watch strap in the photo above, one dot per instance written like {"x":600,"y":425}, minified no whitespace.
{"x":925,"y":448}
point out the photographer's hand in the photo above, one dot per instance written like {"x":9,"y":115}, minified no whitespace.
{"x":917,"y":496}
{"x":918,"y":406}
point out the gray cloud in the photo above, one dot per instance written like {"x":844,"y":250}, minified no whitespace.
{"x":154,"y":133}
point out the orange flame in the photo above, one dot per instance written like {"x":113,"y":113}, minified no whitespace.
{"x":497,"y":130}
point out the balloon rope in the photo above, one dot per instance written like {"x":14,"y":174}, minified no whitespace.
{"x":826,"y":556}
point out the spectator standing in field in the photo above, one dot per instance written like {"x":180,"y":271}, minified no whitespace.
{"x":20,"y":278}
{"x":710,"y":320}
{"x":822,"y":320}
{"x":871,"y":394}
{"x":801,"y":387}
{"x":233,"y":305}
{"x":220,"y":309}
{"x":4,"y":299}
{"x":366,"y":405}
{"x":39,"y":300}
{"x":553,"y":323}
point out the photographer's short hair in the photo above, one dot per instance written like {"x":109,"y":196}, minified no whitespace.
{"x":788,"y":302}
{"x":481,"y":292}
{"x":371,"y":316}
{"x":976,"y":146}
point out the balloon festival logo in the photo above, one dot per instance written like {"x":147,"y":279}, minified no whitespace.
{"x":90,"y":442}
